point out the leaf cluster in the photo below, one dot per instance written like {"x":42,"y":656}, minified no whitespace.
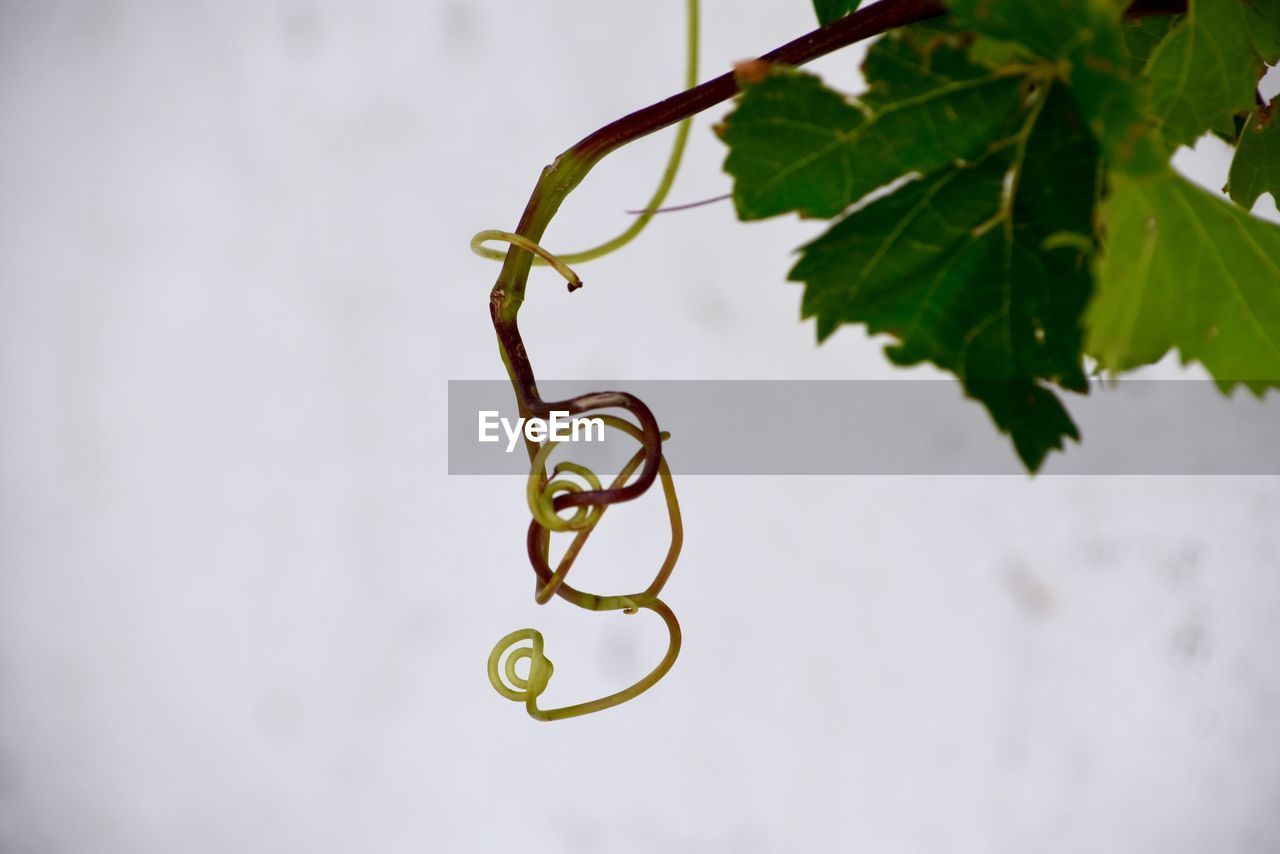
{"x":1003,"y":203}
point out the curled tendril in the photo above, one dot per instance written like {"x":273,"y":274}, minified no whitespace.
{"x":539,"y":537}
{"x":557,"y":264}
{"x":527,"y":687}
{"x":549,"y":497}
{"x":551,"y":583}
{"x":541,"y":493}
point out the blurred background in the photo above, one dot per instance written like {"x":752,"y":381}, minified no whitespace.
{"x":243,"y":607}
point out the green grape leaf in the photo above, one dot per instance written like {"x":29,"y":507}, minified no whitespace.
{"x":968,"y":268}
{"x":968,"y":180}
{"x":1185,"y":269}
{"x":795,"y":145}
{"x":1207,"y":70}
{"x":1050,"y":28}
{"x":1085,"y":42}
{"x":1263,"y":17}
{"x":1142,"y":36}
{"x":831,"y":10}
{"x":1255,"y":169}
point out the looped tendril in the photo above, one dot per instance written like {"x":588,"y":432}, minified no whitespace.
{"x":528,"y":688}
{"x":541,"y":493}
{"x":539,"y":538}
{"x":540,"y":669}
{"x":649,"y":435}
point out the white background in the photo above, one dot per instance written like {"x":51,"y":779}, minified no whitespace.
{"x":243,"y":608}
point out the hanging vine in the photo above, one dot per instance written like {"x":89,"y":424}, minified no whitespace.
{"x":1067,"y":77}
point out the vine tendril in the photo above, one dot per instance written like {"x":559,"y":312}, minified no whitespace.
{"x":541,"y":493}
{"x":557,"y":264}
{"x":561,"y":260}
{"x":528,"y":688}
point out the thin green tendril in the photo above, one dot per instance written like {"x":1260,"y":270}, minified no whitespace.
{"x":548,"y":589}
{"x":561,"y":260}
{"x":541,"y":497}
{"x":558,"y":264}
{"x":528,"y":688}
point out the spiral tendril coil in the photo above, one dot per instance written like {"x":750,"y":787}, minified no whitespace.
{"x":543,"y":497}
